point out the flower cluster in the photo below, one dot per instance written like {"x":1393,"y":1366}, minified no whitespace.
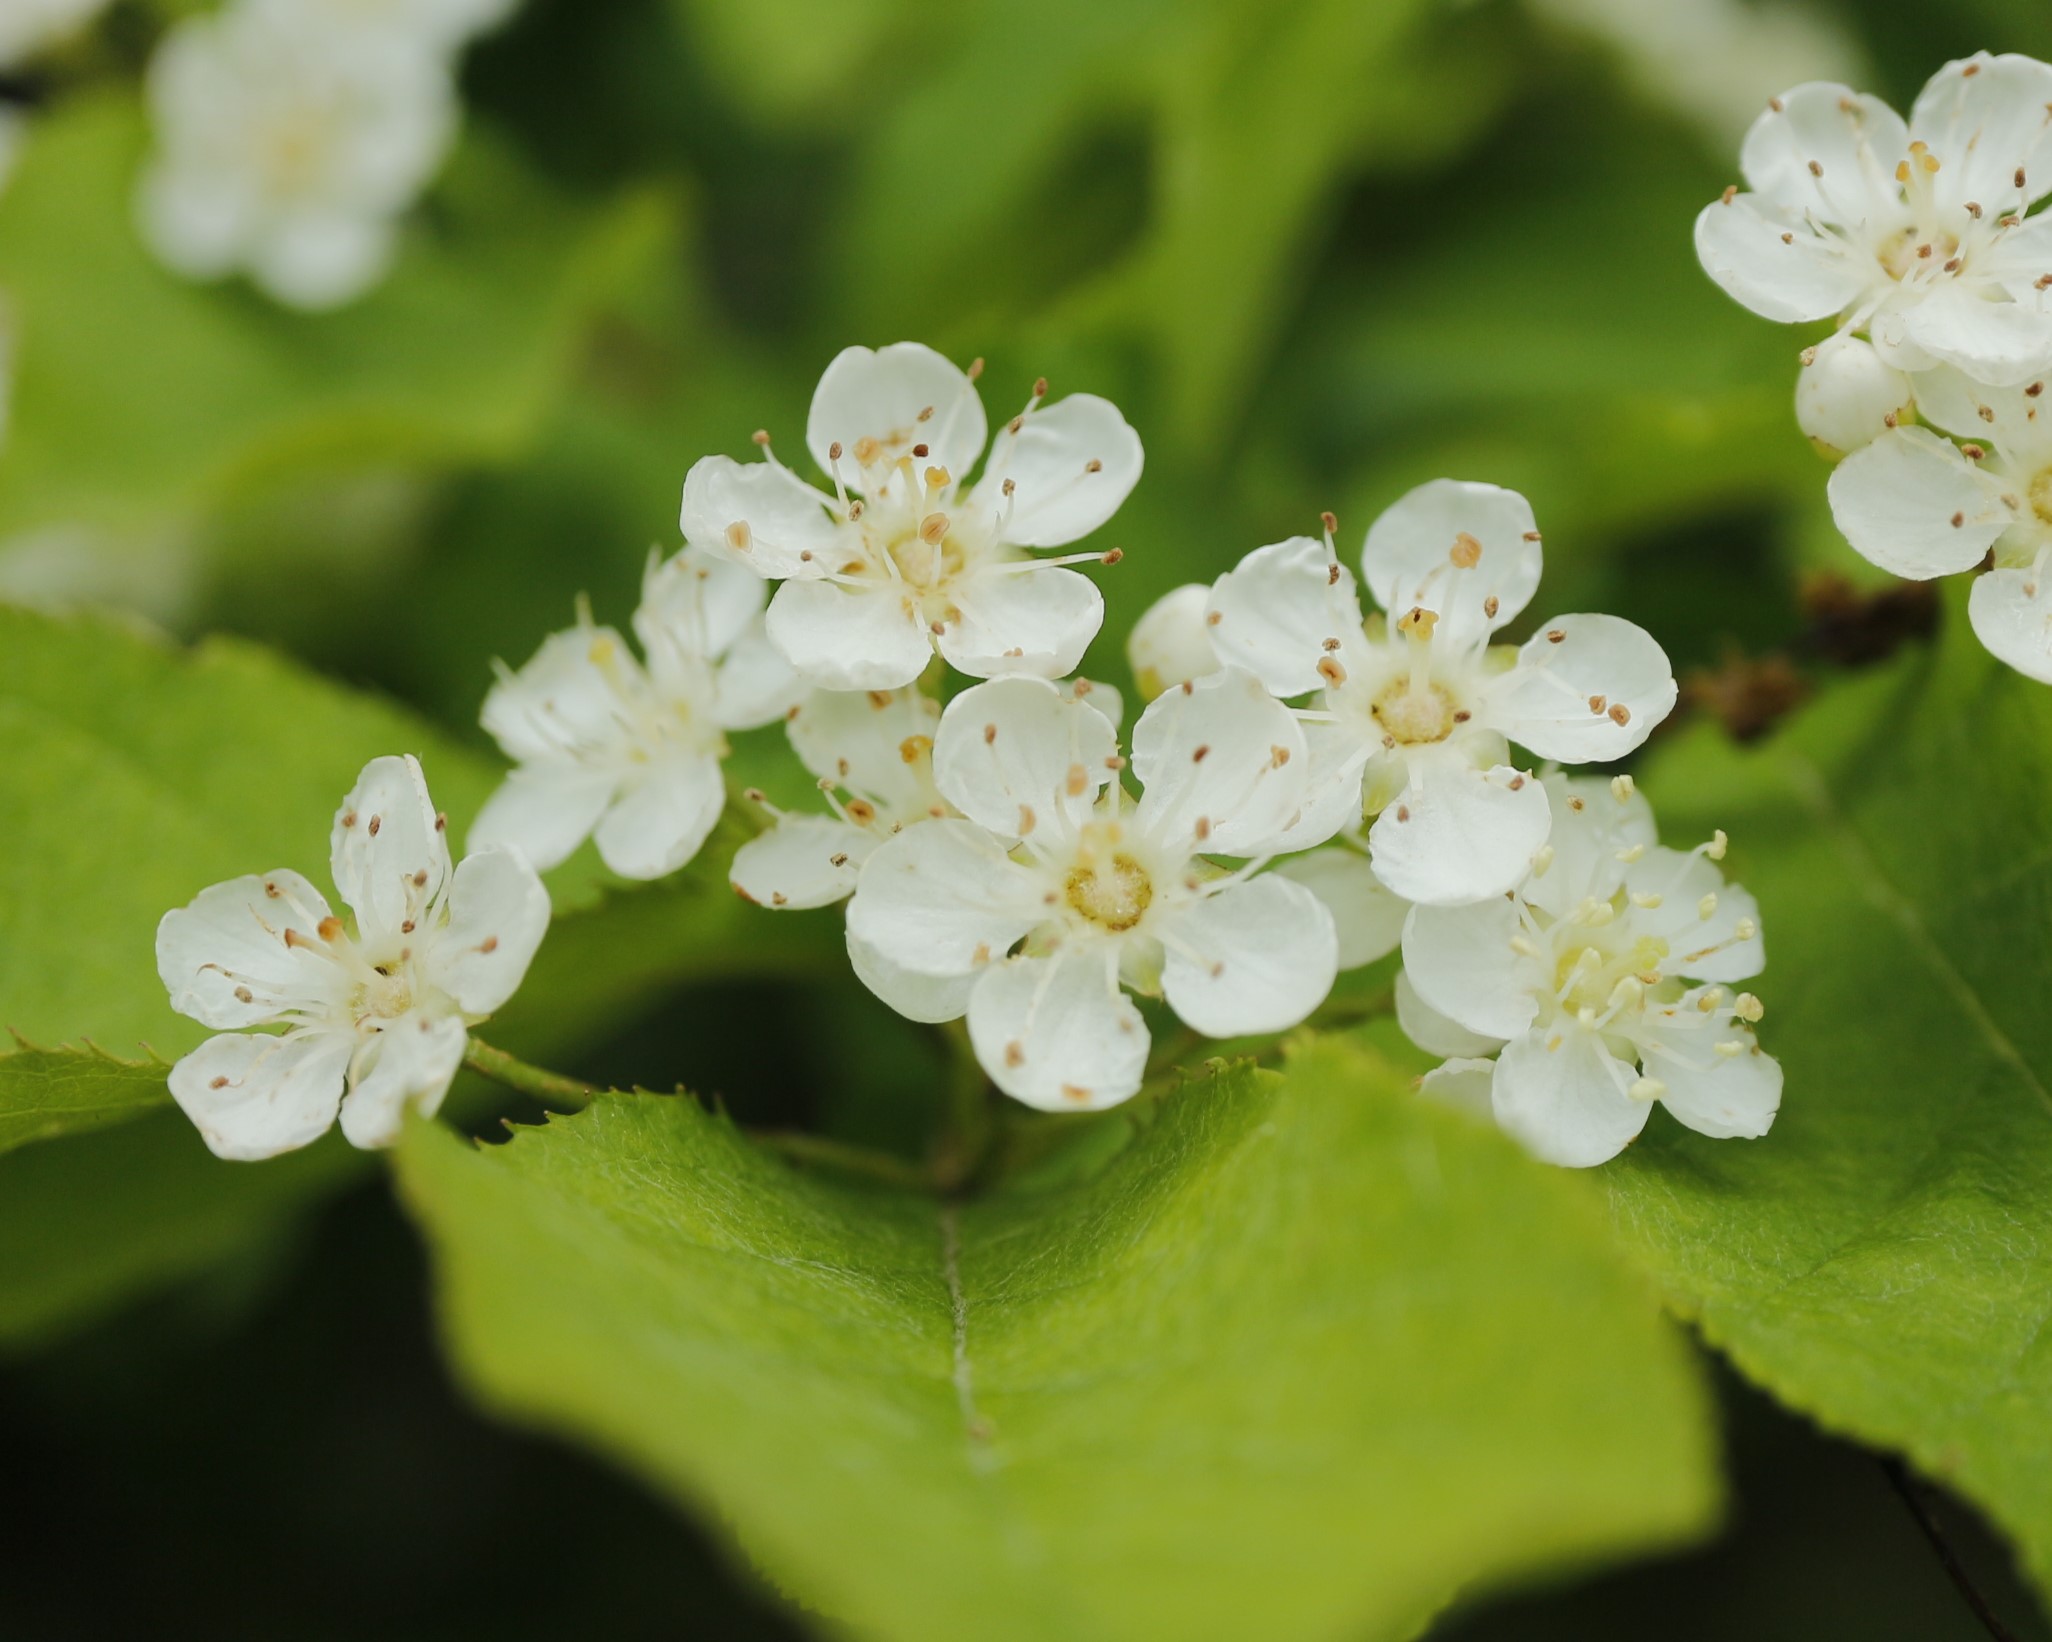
{"x":1917,"y":241}
{"x":1311,"y":785}
{"x":293,"y":135}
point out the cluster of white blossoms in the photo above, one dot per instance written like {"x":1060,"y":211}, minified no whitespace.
{"x":1310,"y":786}
{"x":376,"y":1012}
{"x":293,"y":136}
{"x":1917,"y":241}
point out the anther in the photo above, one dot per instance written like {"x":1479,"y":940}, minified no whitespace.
{"x":1078,"y":781}
{"x":329,"y":928}
{"x":920,"y":451}
{"x":1631,"y":853}
{"x":1745,"y":930}
{"x":861,"y":811}
{"x":1203,"y":828}
{"x":1015,"y":1053}
{"x":1707,"y":907}
{"x":1619,"y":713}
{"x":1330,"y":520}
{"x":1748,"y":1008}
{"x":915,"y":747}
{"x":1647,"y":1089}
{"x":1622,"y":788}
{"x":1403,"y":812}
{"x":1040,"y":387}
{"x":1111,"y":555}
{"x":925,"y":414}
{"x":1093,"y":466}
{"x":1730,"y":193}
{"x":1646,"y":899}
{"x":244,"y":995}
{"x":1555,"y":635}
{"x":1730,"y":1049}
{"x":1278,"y":757}
{"x":1489,"y":607}
{"x":1418,"y":622}
{"x":489,"y":944}
{"x":376,"y":822}
{"x":1719,"y":843}
{"x":1331,"y":671}
{"x":1466,"y":552}
{"x":1597,"y":704}
{"x":761,"y":437}
{"x":1027,"y":820}
{"x":1198,"y":756}
{"x":933,"y":529}
{"x":989,"y":734}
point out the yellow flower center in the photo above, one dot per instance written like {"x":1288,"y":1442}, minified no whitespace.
{"x":1413,"y":713}
{"x":1114,"y":893}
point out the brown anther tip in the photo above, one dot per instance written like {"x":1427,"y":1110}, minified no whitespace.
{"x":1466,"y":552}
{"x":755,"y":795}
{"x":1189,"y":686}
{"x":272,"y":890}
{"x":1775,"y":103}
{"x":1462,"y":715}
{"x":1816,"y":170}
{"x":1958,"y":519}
{"x":989,"y":734}
{"x":975,"y":368}
{"x":1331,"y":671}
{"x":1329,"y":645}
{"x":441,"y":822}
{"x":1807,"y":358}
{"x":1730,"y":193}
{"x":1516,"y":783}
{"x":1330,"y":520}
{"x":1620,"y":713}
{"x":218,"y":1083}
{"x":1278,"y":756}
{"x":919,"y":451}
{"x":1111,"y":555}
{"x":1531,"y":536}
{"x":834,"y":451}
{"x":779,"y":899}
{"x":1332,"y":575}
{"x":1403,"y":812}
{"x":1490,"y":606}
{"x":1890,"y":419}
{"x":1203,"y":828}
{"x":420,"y":879}
{"x":376,"y":822}
{"x":407,"y":927}
{"x":2018,"y":179}
{"x":349,"y":819}
{"x":1597,"y":704}
{"x":760,"y":436}
{"x":1973,"y":209}
{"x":1093,"y":466}
{"x":489,"y":944}
{"x":2034,"y":390}
{"x":1555,"y":635}
{"x":1040,"y":387}
{"x":1973,"y":452}
{"x":329,"y":928}
{"x":925,"y":413}
{"x":1015,"y":1053}
{"x":1199,"y":754}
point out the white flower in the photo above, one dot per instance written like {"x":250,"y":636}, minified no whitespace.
{"x":905,"y":558}
{"x":440,"y":25}
{"x":626,"y":751}
{"x":1055,"y":887}
{"x":1914,"y":234}
{"x":375,"y":1017}
{"x":1171,"y":642}
{"x":1414,"y":716}
{"x":1922,"y":506}
{"x":1580,"y":982}
{"x":872,"y":754}
{"x":27,"y":26}
{"x":287,"y":150}
{"x":1368,"y":915}
{"x":1846,"y":397}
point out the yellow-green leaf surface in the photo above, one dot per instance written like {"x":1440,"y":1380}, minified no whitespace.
{"x":1883,"y":1260}
{"x":140,"y":396}
{"x":1301,"y":1360}
{"x":49,"y":1093}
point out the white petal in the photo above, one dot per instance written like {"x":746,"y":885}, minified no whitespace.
{"x":695,"y":606}
{"x":198,"y":223}
{"x":1171,"y":641}
{"x":1013,"y":755}
{"x":1459,"y":834}
{"x":1984,"y":118}
{"x":759,"y":514}
{"x":498,"y":914}
{"x":1257,"y":957}
{"x":1731,"y":1098}
{"x":253,"y":1096}
{"x":564,"y":699}
{"x":1827,"y":151}
{"x":1408,"y":557}
{"x":1367,"y":916}
{"x":1592,"y":829}
{"x":1057,"y":1033}
{"x":849,"y":638}
{"x":225,"y":960}
{"x":1332,"y":801}
{"x":877,"y":744}
{"x":1282,"y":610}
{"x":387,"y":848}
{"x":660,"y":823}
{"x":411,"y":1062}
{"x":1433,"y":1032}
{"x":1895,"y":502}
{"x":1463,"y":1084}
{"x":1563,"y":1096}
{"x":1773,"y":263}
{"x":1998,"y":342}
{"x":2011,"y":611}
{"x":1703,"y":946}
{"x":1585,"y":689}
{"x":754,"y":685}
{"x":2010,"y":419}
{"x":317,"y":260}
{"x":1461,"y":964}
{"x":880,"y":394}
{"x":545,"y":810}
{"x":930,"y":999}
{"x":1101,"y":698}
{"x":803,"y":861}
{"x":1847,"y":396}
{"x":943,"y":898}
{"x":1037,"y":621}
{"x":1071,"y":465}
{"x":1225,"y":765}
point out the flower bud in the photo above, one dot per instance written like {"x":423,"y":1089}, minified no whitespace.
{"x":1171,"y":643}
{"x":1846,"y":398}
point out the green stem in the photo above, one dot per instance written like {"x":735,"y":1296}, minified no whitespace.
{"x":963,"y":1147}
{"x":550,"y":1088}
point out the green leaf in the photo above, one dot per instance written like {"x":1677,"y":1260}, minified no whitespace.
{"x":46,"y":1094}
{"x":87,"y":1223}
{"x":1302,"y":1323}
{"x":140,"y":396}
{"x":1883,"y":1260}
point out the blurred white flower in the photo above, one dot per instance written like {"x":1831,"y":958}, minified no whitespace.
{"x":1914,"y":234}
{"x":905,"y":558}
{"x":1923,"y":506}
{"x":628,"y":752}
{"x":442,"y":25}
{"x":1579,"y":985}
{"x":288,"y":149}
{"x":376,"y":1017}
{"x":1171,"y":644}
{"x":1054,"y":887}
{"x":27,"y":26}
{"x":1413,"y":716}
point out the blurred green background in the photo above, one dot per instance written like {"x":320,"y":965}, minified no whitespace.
{"x":1316,"y":253}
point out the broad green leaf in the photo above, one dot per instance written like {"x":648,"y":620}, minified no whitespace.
{"x":1883,"y":1259}
{"x":91,"y":1221}
{"x":46,"y":1094}
{"x":140,"y":396}
{"x":1304,"y":1324}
